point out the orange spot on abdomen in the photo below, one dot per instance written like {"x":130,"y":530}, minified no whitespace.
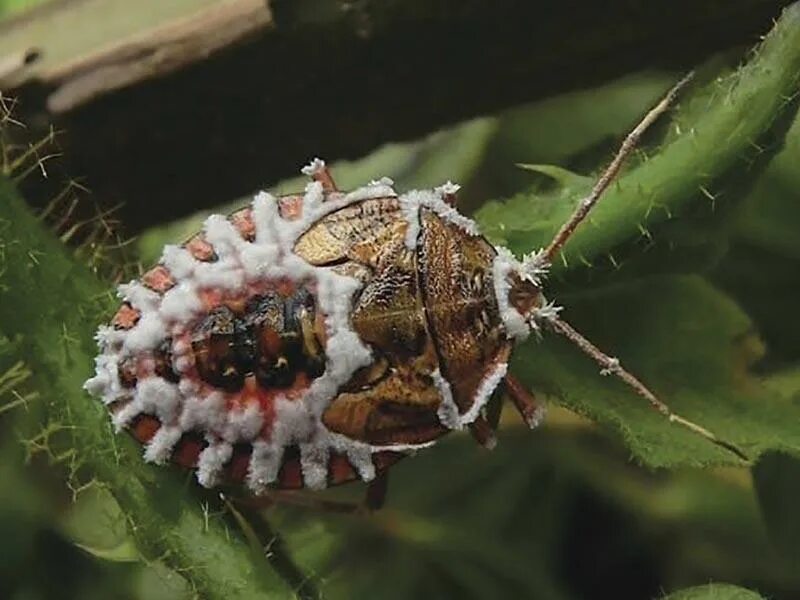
{"x":126,"y":317}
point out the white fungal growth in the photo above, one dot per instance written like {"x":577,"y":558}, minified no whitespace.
{"x":535,"y":266}
{"x":314,"y":197}
{"x":147,"y":334}
{"x":411,"y":202}
{"x":484,"y":392}
{"x":105,"y":382}
{"x":358,"y":454}
{"x":242,"y":425}
{"x":265,"y":462}
{"x":382,"y":188}
{"x":314,"y":463}
{"x":410,"y":211}
{"x":138,"y":295}
{"x":448,"y":189}
{"x":123,"y":417}
{"x":613,"y":366}
{"x":532,"y":268}
{"x":158,"y":397}
{"x":546,"y":312}
{"x":240,"y":266}
{"x":180,"y":304}
{"x":203,"y":413}
{"x":516,"y":324}
{"x":159,"y":449}
{"x":211,"y":462}
{"x":315,"y":166}
{"x":448,"y":409}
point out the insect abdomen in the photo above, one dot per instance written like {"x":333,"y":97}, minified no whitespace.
{"x":273,"y":338}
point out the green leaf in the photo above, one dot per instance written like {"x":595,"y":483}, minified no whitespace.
{"x":9,"y":7}
{"x":714,"y":591}
{"x":770,"y":214}
{"x":574,"y":183}
{"x":124,"y":552}
{"x":546,"y":496}
{"x":764,"y":257}
{"x":691,"y":345}
{"x":430,"y":541}
{"x":98,"y":526}
{"x":766,"y":286}
{"x":724,"y":127}
{"x":569,"y":129}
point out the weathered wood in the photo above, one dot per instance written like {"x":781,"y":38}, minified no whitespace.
{"x":179,"y":112}
{"x":154,"y":53}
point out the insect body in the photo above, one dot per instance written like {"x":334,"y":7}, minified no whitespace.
{"x":309,"y":340}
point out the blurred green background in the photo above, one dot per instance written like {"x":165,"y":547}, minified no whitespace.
{"x":562,"y":512}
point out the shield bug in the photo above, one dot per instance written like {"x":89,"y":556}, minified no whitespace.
{"x":309,"y":340}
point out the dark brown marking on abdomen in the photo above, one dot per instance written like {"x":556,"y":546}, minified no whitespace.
{"x":274,"y":338}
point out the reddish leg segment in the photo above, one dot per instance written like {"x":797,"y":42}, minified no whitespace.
{"x":326,"y":179}
{"x":318,"y":171}
{"x":376,"y":492}
{"x":525,"y":402}
{"x":483,"y":433}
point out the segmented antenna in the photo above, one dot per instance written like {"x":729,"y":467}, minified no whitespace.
{"x":611,"y":366}
{"x":611,"y":172}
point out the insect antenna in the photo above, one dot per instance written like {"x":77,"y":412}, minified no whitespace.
{"x":611,"y":366}
{"x":611,"y":172}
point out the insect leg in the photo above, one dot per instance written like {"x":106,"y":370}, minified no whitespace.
{"x":531,"y":411}
{"x":611,"y":366}
{"x":449,"y":198}
{"x":318,"y":171}
{"x":611,"y":172}
{"x":375,"y":497}
{"x":483,"y":433}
